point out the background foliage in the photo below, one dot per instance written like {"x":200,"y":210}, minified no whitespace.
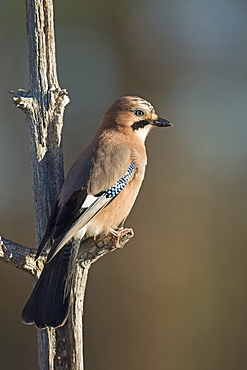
{"x":183,"y":304}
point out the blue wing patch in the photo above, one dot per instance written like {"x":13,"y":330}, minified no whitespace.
{"x":121,"y":183}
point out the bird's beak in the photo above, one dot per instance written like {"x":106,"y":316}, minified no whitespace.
{"x":161,"y":122}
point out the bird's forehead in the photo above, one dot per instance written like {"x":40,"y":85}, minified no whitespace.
{"x":139,"y":102}
{"x":132,"y":102}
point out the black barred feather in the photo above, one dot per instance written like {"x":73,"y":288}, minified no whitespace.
{"x":70,"y":212}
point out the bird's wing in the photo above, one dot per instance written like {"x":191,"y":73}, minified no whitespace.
{"x":62,"y":218}
{"x":83,"y":193}
{"x":81,"y":208}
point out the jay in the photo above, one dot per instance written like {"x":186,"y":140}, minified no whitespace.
{"x":96,"y":197}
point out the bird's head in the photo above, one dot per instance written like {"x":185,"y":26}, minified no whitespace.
{"x":133,"y":116}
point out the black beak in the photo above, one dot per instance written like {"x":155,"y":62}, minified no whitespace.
{"x":161,"y":122}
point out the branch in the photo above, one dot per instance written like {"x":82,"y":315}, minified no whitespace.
{"x":91,"y":250}
{"x":19,"y":256}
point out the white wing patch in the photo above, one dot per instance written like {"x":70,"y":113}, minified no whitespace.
{"x":90,"y":199}
{"x":96,"y":205}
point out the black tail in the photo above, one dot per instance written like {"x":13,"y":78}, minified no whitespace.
{"x":48,"y":304}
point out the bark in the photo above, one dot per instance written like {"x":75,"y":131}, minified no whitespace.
{"x":44,"y":103}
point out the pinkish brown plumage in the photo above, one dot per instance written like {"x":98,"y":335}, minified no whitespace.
{"x":97,"y":196}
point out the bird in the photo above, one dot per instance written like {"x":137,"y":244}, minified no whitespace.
{"x":96,"y":198}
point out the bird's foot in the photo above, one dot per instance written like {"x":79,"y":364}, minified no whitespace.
{"x":119,"y":233}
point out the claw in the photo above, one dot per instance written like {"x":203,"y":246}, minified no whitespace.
{"x":118,"y":234}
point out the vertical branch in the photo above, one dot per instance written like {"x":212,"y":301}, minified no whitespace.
{"x":45,"y":111}
{"x":44,"y":105}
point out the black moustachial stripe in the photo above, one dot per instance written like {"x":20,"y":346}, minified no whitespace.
{"x":141,"y":124}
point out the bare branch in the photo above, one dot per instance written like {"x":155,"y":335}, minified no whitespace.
{"x":91,"y":250}
{"x":19,"y":256}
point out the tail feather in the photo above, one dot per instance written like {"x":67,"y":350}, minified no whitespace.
{"x":49,"y":302}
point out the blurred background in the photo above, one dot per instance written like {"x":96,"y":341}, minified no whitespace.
{"x":175,"y":298}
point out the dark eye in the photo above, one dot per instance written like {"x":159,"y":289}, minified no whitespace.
{"x":139,"y":112}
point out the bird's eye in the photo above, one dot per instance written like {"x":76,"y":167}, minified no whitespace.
{"x":139,"y":112}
